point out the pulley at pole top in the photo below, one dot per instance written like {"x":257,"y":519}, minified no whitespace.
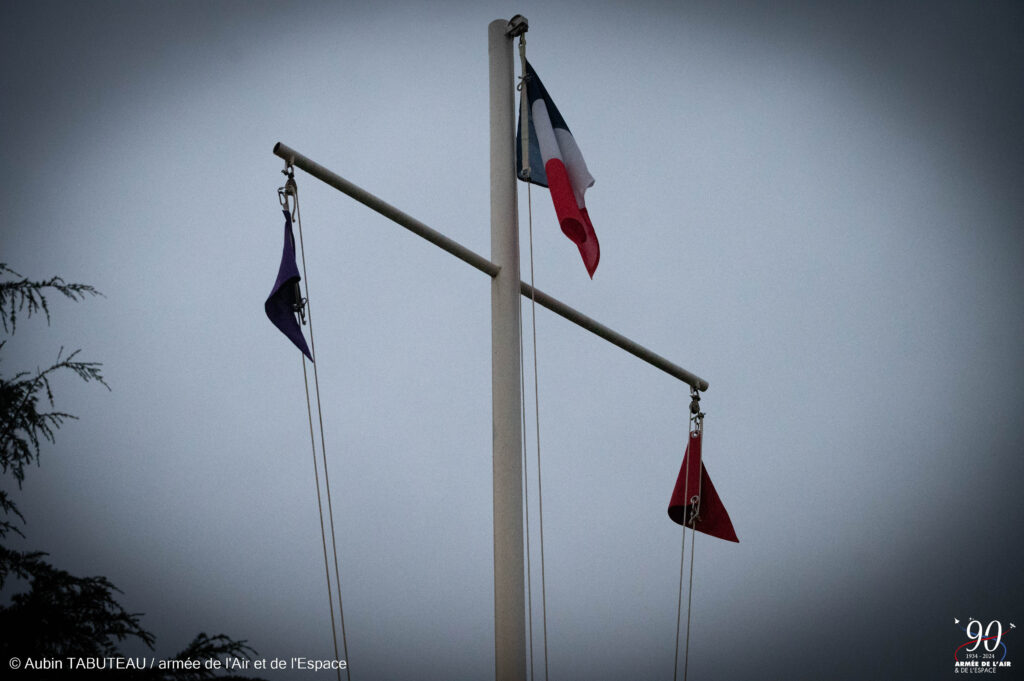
{"x":517,"y":26}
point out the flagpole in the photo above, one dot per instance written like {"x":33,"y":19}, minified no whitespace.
{"x":506,"y":398}
{"x":506,"y":287}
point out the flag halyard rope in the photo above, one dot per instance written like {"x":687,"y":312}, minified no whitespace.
{"x":525,"y":492}
{"x":536,"y":410}
{"x":320,"y":510}
{"x":682,"y":563}
{"x":536,"y":414}
{"x":291,"y":188}
{"x":695,"y":427}
{"x":525,"y":152}
{"x":526,"y":476}
{"x":689,"y":606}
{"x":679,"y":606}
{"x":526,"y":499}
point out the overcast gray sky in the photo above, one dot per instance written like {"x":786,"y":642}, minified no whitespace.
{"x":816,"y":207}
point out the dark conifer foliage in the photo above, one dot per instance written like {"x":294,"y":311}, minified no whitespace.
{"x":52,"y":613}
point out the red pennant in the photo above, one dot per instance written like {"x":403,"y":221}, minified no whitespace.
{"x":694,"y":481}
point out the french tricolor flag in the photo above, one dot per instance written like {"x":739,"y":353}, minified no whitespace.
{"x":555,"y":162}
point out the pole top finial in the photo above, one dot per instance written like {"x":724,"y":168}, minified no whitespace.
{"x":517,"y":26}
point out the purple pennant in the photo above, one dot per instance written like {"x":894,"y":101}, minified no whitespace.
{"x":284,"y":298}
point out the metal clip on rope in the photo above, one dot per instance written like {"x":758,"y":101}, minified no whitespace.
{"x":694,"y":511}
{"x":289,"y":189}
{"x":696,"y":415}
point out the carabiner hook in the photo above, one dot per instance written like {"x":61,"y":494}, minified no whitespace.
{"x":696,"y":415}
{"x":694,"y":509}
{"x":299,"y":307}
{"x":289,"y":189}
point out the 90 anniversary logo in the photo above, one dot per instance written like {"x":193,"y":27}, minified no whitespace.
{"x":985,"y":651}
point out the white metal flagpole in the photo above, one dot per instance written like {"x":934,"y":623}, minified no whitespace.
{"x":506,"y":287}
{"x":506,"y":397}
